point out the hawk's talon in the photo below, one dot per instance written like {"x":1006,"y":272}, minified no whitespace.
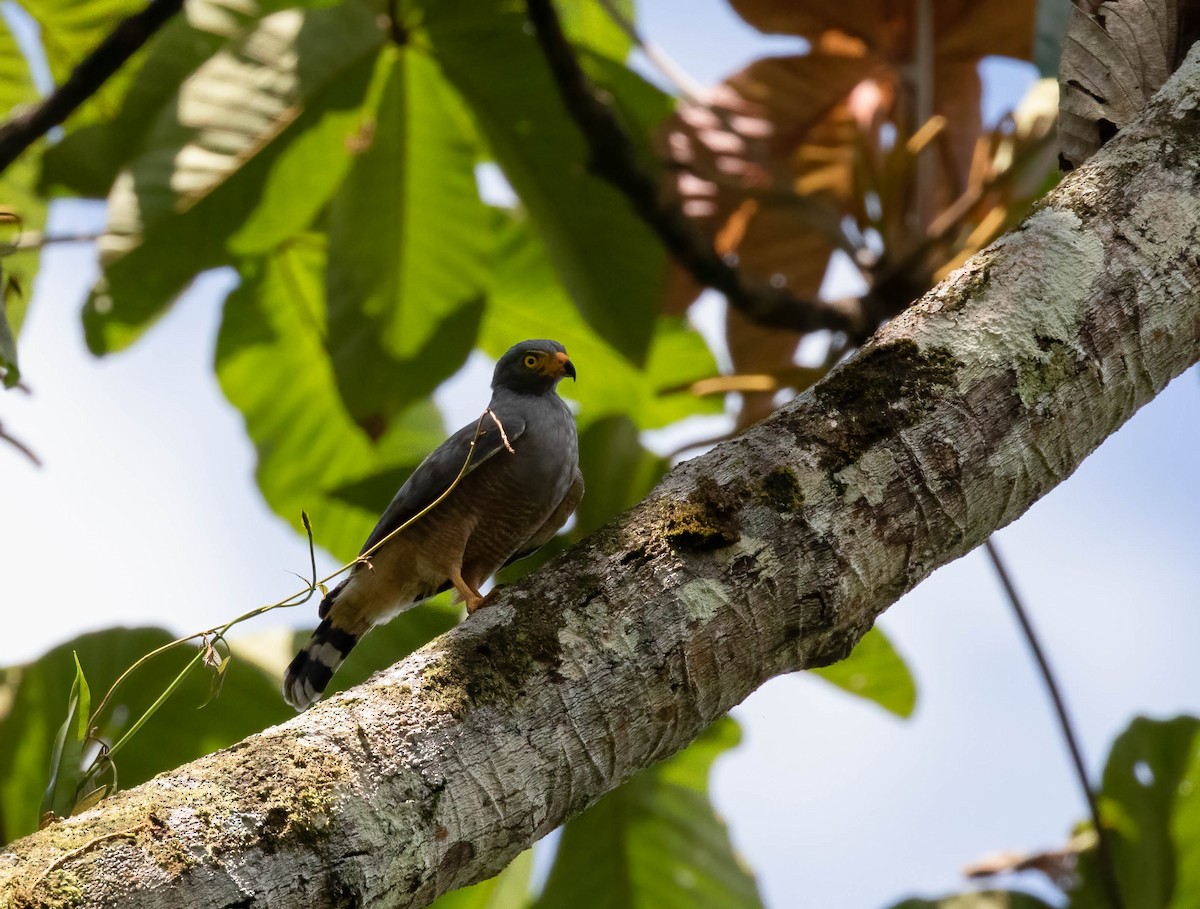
{"x":481,"y":602}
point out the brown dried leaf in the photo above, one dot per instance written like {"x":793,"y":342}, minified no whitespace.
{"x":962,"y":28}
{"x":1112,"y":62}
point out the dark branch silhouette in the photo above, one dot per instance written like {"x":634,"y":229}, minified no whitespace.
{"x":1108,"y":868}
{"x":22,"y":130}
{"x":612,"y":158}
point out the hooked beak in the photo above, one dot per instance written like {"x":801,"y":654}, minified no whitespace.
{"x":565,"y":366}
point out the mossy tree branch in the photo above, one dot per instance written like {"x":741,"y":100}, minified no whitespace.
{"x":774,"y":552}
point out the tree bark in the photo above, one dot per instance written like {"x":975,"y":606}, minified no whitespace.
{"x":774,"y":552}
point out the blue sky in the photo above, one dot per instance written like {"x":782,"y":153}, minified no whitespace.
{"x":146,"y":512}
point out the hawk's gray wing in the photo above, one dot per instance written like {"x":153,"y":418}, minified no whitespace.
{"x":435,"y":474}
{"x":557,"y":518}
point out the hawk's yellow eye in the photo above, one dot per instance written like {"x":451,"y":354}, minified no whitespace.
{"x":530,"y":361}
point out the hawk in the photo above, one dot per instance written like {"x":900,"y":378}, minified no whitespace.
{"x":520,"y":483}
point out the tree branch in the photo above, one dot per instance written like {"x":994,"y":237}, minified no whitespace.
{"x":612,"y":158}
{"x":774,"y":552}
{"x":22,"y":130}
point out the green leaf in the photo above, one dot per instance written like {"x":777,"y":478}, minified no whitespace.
{"x":610,"y":262}
{"x":410,"y":246}
{"x":529,"y":302}
{"x":589,"y":26}
{"x":983,"y":899}
{"x":174,"y":735}
{"x":66,"y":756}
{"x":655,"y":842}
{"x":18,"y":196}
{"x":1151,"y":796}
{"x":89,"y":157}
{"x":875,"y":671}
{"x":70,"y":30}
{"x":244,"y":158}
{"x":272,"y":366}
{"x":507,"y":890}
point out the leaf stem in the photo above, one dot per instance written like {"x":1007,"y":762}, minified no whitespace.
{"x":1103,"y":846}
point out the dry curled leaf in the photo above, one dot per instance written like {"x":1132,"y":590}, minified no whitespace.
{"x":1113,"y":60}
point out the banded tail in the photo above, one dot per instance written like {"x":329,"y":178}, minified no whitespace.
{"x":309,"y":673}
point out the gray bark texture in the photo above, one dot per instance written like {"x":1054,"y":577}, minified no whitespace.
{"x":774,"y":552}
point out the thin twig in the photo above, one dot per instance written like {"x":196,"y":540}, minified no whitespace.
{"x":296,"y":599}
{"x":110,"y":55}
{"x":612,"y":158}
{"x":1104,"y":854}
{"x":20,"y":446}
{"x":503,"y":435}
{"x":129,"y":833}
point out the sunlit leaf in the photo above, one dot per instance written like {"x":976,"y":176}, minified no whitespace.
{"x":24,"y":211}
{"x":89,"y":157}
{"x":70,"y":30}
{"x":410,"y":246}
{"x":654,"y":843}
{"x":244,"y":158}
{"x":588,"y":26}
{"x":175,"y":735}
{"x":1150,"y":795}
{"x":507,"y":890}
{"x":875,"y":671}
{"x":608,"y":259}
{"x":272,"y":365}
{"x":66,"y":754}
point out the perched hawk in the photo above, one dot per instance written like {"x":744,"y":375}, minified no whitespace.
{"x":521,"y":484}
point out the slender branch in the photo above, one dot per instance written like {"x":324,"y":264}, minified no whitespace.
{"x":612,"y":158}
{"x":20,"y":446}
{"x":22,"y":130}
{"x":1104,"y":854}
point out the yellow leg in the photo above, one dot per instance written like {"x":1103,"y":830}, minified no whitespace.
{"x":471,"y":597}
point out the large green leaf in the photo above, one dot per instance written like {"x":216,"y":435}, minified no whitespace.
{"x":243,"y":158}
{"x":610,"y":262}
{"x":272,"y":365}
{"x":529,"y":302}
{"x":983,"y":899}
{"x":1151,"y":797}
{"x":589,"y":26}
{"x":176,"y":734}
{"x":655,"y":842}
{"x":507,"y":890}
{"x":410,"y":246}
{"x":17,"y":194}
{"x":875,"y":671}
{"x":89,"y":157}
